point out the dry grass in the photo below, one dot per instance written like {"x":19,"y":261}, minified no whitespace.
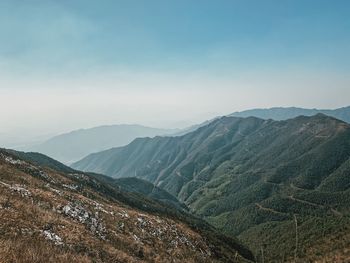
{"x":126,"y":234}
{"x":35,"y":250}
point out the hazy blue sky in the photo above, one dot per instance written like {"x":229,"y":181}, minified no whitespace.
{"x":67,"y":64}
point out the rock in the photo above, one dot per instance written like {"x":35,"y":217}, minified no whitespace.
{"x":92,"y":222}
{"x":71,"y":186}
{"x":21,"y":190}
{"x":52,"y":237}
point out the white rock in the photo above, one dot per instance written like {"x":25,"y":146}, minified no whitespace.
{"x":52,"y":237}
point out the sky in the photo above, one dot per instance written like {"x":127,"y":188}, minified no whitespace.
{"x":70,"y":64}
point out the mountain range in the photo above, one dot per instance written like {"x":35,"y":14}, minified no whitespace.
{"x":51,"y":213}
{"x":73,"y":146}
{"x":277,"y":113}
{"x":284,"y":113}
{"x":283,"y":187}
{"x":277,"y":179}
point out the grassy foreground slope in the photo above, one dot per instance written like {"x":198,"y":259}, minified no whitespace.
{"x":48,"y":215}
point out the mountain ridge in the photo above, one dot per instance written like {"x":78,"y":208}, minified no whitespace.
{"x":246,"y":174}
{"x":72,"y":146}
{"x":284,"y":113}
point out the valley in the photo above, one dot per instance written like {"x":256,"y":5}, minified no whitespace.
{"x":180,"y":131}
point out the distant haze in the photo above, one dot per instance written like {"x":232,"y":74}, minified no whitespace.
{"x":66,"y":65}
{"x":73,"y":146}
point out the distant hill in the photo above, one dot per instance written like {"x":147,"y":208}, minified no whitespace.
{"x":253,"y":178}
{"x":280,"y":113}
{"x":73,"y":146}
{"x":47,"y":215}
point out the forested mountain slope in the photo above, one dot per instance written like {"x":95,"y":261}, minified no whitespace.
{"x":254,"y":178}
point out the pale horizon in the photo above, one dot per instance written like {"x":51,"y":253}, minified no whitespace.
{"x":67,"y":65}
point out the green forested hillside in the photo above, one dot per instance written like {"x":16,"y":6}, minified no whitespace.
{"x":282,"y":186}
{"x":136,"y":185}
